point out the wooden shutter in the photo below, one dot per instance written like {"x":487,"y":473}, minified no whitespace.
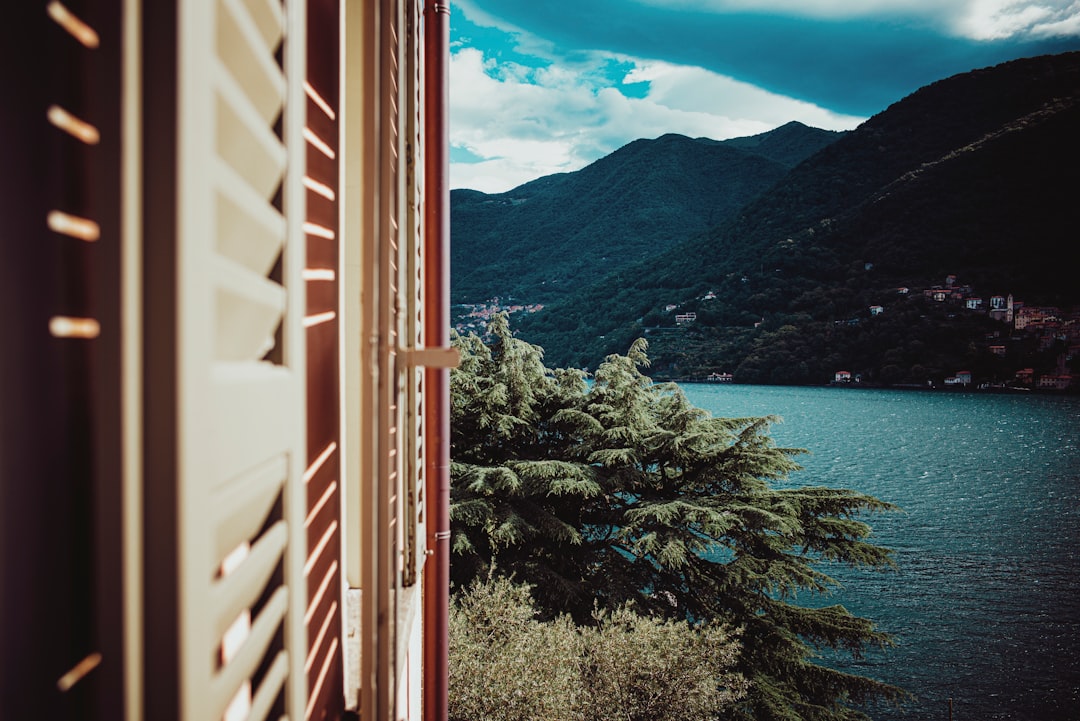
{"x":401,"y":326}
{"x":410,"y":316}
{"x":410,"y":374}
{"x":225,"y":360}
{"x":382,"y":384}
{"x":389,"y":203}
{"x":323,"y":567}
{"x":60,"y":494}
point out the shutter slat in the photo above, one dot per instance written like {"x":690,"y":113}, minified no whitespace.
{"x":243,"y":50}
{"x":245,"y":141}
{"x":73,"y":24}
{"x":242,"y":507}
{"x":225,"y":684}
{"x":245,"y":396}
{"x":270,"y":687}
{"x":269,"y":17}
{"x":250,"y":230}
{"x":249,"y":308}
{"x":239,"y":590}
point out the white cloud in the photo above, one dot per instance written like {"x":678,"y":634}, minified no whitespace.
{"x":1000,"y":19}
{"x":973,"y":19}
{"x":698,"y":90}
{"x":525,"y":123}
{"x":833,"y":9}
{"x":492,"y":176}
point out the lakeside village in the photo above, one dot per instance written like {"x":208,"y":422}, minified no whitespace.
{"x":1046,"y":324}
{"x":474,"y":317}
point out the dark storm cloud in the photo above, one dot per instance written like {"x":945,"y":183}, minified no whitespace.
{"x":856,"y":65}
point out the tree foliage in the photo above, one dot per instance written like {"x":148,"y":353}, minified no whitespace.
{"x":505,"y":665}
{"x":623,"y":492}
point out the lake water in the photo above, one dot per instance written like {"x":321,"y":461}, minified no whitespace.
{"x":985,"y":603}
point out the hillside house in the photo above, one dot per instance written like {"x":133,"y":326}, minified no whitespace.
{"x":974,"y":303}
{"x":685,"y":318}
{"x":715,"y":377}
{"x":1035,"y":316}
{"x":842,"y":377}
{"x":876,"y":310}
{"x":962,"y":378}
{"x":225,"y":459}
{"x":1056,"y":382}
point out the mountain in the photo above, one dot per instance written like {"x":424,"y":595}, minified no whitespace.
{"x":975,"y":175}
{"x":789,"y":144}
{"x":543,"y":239}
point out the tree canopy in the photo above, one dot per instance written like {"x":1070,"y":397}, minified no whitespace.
{"x":620,"y":491}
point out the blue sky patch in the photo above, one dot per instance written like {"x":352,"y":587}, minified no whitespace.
{"x":460,"y":154}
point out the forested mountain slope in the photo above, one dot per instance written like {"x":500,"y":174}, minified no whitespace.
{"x":976,"y":176}
{"x":548,"y":237}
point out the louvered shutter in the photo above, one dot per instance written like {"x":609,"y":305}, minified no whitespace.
{"x":410,"y":375}
{"x":401,"y":309}
{"x":383,"y":384}
{"x":60,"y":495}
{"x":233,"y":441}
{"x":388,"y":451}
{"x":323,"y":567}
{"x":378,"y":161}
{"x":410,"y":316}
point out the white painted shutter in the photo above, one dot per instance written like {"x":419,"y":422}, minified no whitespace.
{"x":241,"y":448}
{"x":410,"y":294}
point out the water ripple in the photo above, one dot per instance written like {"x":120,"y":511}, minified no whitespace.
{"x":985,"y":603}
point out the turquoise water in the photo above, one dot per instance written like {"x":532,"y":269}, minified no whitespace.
{"x":985,"y":603}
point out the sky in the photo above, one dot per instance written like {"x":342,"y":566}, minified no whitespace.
{"x":548,"y":86}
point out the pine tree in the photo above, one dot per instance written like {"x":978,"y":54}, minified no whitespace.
{"x":624,"y":492}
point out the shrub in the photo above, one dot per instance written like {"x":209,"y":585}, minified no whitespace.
{"x":642,"y":668}
{"x":506,"y":665}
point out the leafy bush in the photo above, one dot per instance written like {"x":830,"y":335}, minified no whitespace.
{"x":506,"y":665}
{"x":645,"y":669}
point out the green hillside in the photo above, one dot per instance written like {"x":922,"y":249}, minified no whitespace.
{"x":975,"y":176}
{"x":549,"y":237}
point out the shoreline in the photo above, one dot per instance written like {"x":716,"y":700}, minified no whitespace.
{"x":970,"y":388}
